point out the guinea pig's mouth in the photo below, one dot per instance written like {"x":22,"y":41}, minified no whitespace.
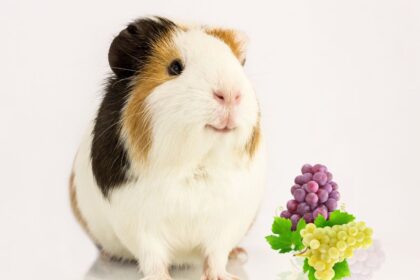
{"x":219,"y":130}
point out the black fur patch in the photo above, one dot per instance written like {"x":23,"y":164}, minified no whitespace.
{"x":131,"y":49}
{"x":128,"y":55}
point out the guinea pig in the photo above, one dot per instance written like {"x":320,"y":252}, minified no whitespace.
{"x":172,"y":169}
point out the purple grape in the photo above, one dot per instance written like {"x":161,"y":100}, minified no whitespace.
{"x":320,"y":211}
{"x":307,"y":168}
{"x":334,"y":186}
{"x":331,"y":204}
{"x":303,"y":179}
{"x":299,"y":180}
{"x":311,"y":187}
{"x":299,"y":195}
{"x":295,"y":219}
{"x":286,"y":214}
{"x":307,"y":177}
{"x":319,"y":168}
{"x":322,"y":195}
{"x":320,"y":177}
{"x":302,"y":208}
{"x":327,"y":187}
{"x":335,"y":195}
{"x":308,"y":217}
{"x":313,"y":206}
{"x":322,"y":206}
{"x":329,"y":176}
{"x":311,"y":199}
{"x":292,"y":205}
{"x":294,"y":188}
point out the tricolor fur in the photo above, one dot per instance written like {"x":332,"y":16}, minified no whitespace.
{"x":173,"y":166}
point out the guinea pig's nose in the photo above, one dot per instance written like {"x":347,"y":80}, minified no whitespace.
{"x":227,"y":98}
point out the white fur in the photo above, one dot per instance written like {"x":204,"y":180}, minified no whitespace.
{"x":198,"y":192}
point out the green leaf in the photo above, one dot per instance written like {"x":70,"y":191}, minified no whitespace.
{"x":281,"y":226}
{"x":278,"y":243}
{"x":274,"y":242}
{"x":284,"y":239}
{"x":300,"y":225}
{"x":306,"y":266}
{"x":336,"y":218}
{"x":320,"y":221}
{"x":341,"y":270}
{"x":286,"y":249}
{"x":309,"y":269}
{"x":340,"y":218}
{"x":296,"y":237}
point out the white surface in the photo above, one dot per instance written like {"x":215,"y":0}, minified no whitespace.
{"x":338,"y":83}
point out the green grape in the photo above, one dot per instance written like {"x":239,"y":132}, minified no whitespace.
{"x":361,"y":226}
{"x":329,"y":245}
{"x":313,"y":260}
{"x":351,"y":241}
{"x":323,"y":248}
{"x":341,"y":245}
{"x":310,"y":228}
{"x":325,"y":239}
{"x":314,"y":244}
{"x":368,"y":231}
{"x":342,"y":235}
{"x":320,"y":265}
{"x":334,"y":253}
{"x":353,"y":231}
{"x":360,"y":237}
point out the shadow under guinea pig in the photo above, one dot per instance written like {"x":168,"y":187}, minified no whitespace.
{"x":103,"y":269}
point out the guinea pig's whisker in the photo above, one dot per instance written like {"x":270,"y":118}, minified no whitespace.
{"x":126,"y":69}
{"x":108,"y":128}
{"x":135,"y":58}
{"x":118,"y":122}
{"x":121,"y":80}
{"x":151,"y":78}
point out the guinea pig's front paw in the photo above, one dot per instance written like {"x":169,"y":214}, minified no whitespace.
{"x":219,"y":276}
{"x":239,"y":254}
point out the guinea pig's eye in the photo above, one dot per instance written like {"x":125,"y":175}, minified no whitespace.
{"x":175,"y":68}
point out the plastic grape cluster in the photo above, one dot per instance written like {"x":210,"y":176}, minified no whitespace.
{"x":330,"y":245}
{"x":314,"y":194}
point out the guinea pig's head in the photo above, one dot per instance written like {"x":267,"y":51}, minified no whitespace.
{"x":187,"y":90}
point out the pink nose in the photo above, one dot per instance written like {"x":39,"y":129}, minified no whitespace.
{"x":227,"y":98}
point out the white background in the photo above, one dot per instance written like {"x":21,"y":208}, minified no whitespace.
{"x":338,"y":82}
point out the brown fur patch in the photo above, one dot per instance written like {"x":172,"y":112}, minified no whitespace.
{"x":230,"y":38}
{"x":254,"y":140}
{"x":136,"y":118}
{"x":75,"y":207}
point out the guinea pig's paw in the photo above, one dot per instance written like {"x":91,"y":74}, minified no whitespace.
{"x":219,"y":276}
{"x":239,"y":254}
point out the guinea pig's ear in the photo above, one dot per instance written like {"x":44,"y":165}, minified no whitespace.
{"x":235,"y":39}
{"x":122,"y":53}
{"x":130,"y":49}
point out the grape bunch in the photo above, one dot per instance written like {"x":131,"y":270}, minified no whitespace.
{"x":330,"y":245}
{"x":365,"y":262}
{"x":314,"y":194}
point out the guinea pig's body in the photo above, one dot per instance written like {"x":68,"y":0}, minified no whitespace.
{"x":173,"y":166}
